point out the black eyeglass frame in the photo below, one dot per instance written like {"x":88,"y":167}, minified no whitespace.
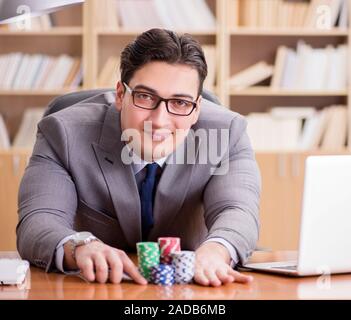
{"x":132,"y":92}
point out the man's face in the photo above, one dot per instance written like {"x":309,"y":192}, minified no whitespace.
{"x":162,"y":132}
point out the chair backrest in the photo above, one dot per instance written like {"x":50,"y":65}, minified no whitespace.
{"x":70,"y":99}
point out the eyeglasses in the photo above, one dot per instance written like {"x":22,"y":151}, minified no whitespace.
{"x":150,"y":101}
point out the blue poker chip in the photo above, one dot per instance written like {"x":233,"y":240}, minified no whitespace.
{"x":162,"y":274}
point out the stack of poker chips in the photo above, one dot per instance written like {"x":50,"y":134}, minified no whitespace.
{"x":163,"y":263}
{"x":148,"y":257}
{"x":184,"y":266}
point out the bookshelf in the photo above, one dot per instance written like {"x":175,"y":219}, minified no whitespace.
{"x":81,"y":31}
{"x":65,"y":37}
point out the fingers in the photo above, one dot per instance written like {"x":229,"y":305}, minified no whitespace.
{"x":224,"y":276}
{"x":216,"y":276}
{"x":130,"y":268}
{"x":87,"y":269}
{"x":100,"y":262}
{"x":101,"y":268}
{"x":116,"y":267}
{"x":239,"y":277}
{"x":212,"y":278}
{"x":201,"y":278}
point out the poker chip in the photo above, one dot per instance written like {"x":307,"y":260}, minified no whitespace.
{"x":167,"y":246}
{"x":183,"y":263}
{"x":162,"y":274}
{"x":163,"y":263}
{"x":148,"y":257}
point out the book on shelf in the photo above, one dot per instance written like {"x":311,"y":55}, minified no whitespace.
{"x":21,"y":71}
{"x":107,"y":14}
{"x":211,"y":59}
{"x":315,"y":14}
{"x":314,"y":129}
{"x":312,"y":68}
{"x":39,"y":23}
{"x":265,"y":16}
{"x":292,"y":112}
{"x":187,"y":15}
{"x":308,"y":68}
{"x":235,"y":14}
{"x":248,"y":13}
{"x":335,"y":135}
{"x":268,"y":133}
{"x":298,"y":128}
{"x":323,"y":14}
{"x":4,"y":136}
{"x":252,"y":75}
{"x":344,"y":15}
{"x":26,"y":135}
{"x":109,"y":74}
{"x":281,"y":61}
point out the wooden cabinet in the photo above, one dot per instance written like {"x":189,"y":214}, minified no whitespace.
{"x":12,"y":166}
{"x":281,"y":199}
{"x":282,"y":185}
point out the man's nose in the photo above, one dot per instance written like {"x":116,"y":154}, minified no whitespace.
{"x":160,"y":115}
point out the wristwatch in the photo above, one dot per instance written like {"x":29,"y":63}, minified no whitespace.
{"x":80,"y":239}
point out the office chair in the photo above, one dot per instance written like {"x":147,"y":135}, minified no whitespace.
{"x":70,"y":99}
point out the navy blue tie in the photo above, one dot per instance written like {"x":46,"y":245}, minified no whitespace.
{"x":146,"y":199}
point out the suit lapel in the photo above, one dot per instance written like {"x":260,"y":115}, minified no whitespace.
{"x":119,"y":177}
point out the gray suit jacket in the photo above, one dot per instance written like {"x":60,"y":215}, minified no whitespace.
{"x":76,"y":181}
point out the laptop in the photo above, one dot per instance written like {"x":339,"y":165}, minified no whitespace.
{"x":325,"y":230}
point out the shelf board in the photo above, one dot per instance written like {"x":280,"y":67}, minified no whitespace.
{"x":304,"y":152}
{"x":22,"y":151}
{"x":267,"y":91}
{"x":130,"y":32}
{"x":30,"y":92}
{"x":298,"y":32}
{"x":55,"y":31}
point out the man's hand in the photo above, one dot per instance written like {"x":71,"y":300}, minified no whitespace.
{"x":96,"y":258}
{"x":212,"y":266}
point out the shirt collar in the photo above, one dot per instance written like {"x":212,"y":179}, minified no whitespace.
{"x":139,"y":164}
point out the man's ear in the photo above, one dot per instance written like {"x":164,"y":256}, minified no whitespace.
{"x":197,"y":111}
{"x":119,"y":95}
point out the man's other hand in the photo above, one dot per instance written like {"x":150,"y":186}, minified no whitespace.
{"x":212,"y":266}
{"x":100,"y":262}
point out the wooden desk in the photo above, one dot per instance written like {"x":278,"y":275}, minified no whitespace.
{"x":41,"y":285}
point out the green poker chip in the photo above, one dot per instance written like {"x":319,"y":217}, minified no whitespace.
{"x":148,"y":257}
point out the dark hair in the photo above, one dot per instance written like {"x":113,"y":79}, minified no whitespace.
{"x":163,"y":45}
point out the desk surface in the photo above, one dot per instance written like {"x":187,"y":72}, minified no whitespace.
{"x":41,"y":285}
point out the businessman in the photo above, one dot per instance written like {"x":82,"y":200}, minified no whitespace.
{"x":103,"y":177}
